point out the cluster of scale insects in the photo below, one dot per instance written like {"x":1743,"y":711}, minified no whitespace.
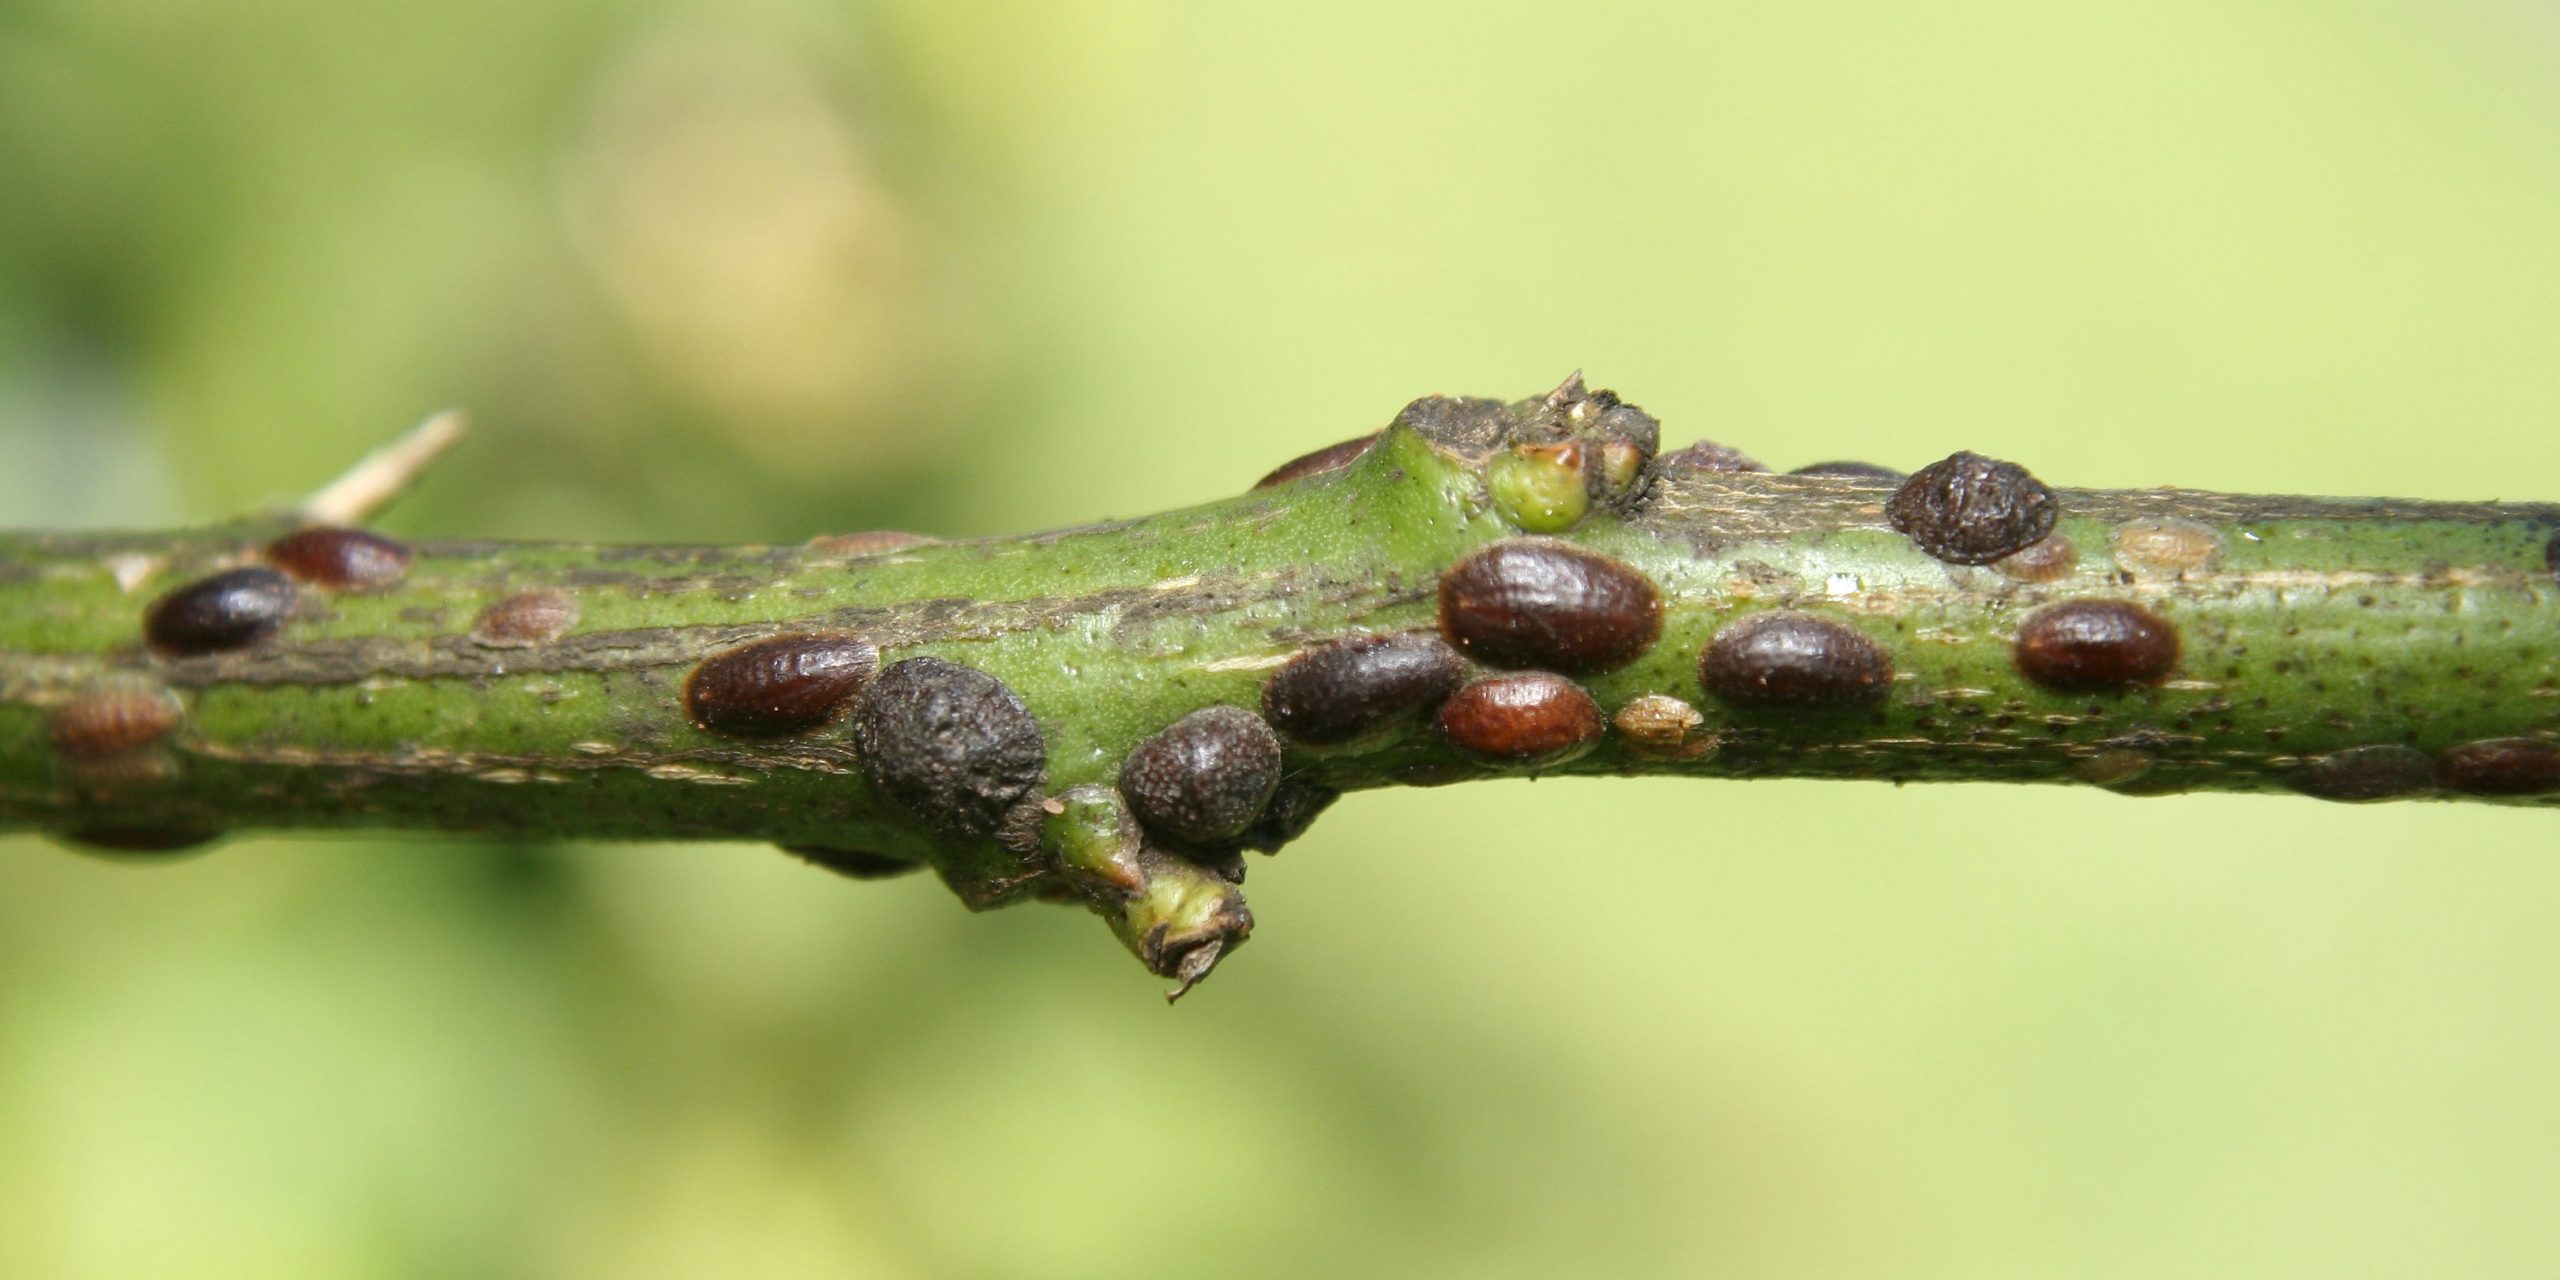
{"x":1519,"y":621}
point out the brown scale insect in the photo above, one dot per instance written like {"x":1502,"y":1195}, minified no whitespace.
{"x":1969,"y":509}
{"x":779,"y":687}
{"x":2365,"y":773}
{"x":111,"y":723}
{"x":1528,"y":718}
{"x":1205,"y":778}
{"x":520,"y":621}
{"x":1295,"y":806}
{"x":857,"y":863}
{"x":1787,"y":659}
{"x":337,"y":559}
{"x":112,"y":841}
{"x":2500,"y":767}
{"x":2168,"y":547}
{"x":1658,"y":724}
{"x":950,"y":744}
{"x":1343,"y":690}
{"x":2114,"y":768}
{"x":2048,"y":560}
{"x":2087,"y":645}
{"x":1332,"y":457}
{"x":1551,"y":605}
{"x":1850,"y":471}
{"x":876,"y":542}
{"x":230,"y":610}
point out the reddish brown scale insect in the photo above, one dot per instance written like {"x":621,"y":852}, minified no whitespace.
{"x":950,"y":744}
{"x":2365,"y":773}
{"x":337,"y":559}
{"x":1787,"y":659}
{"x":779,"y":687}
{"x":856,"y":863}
{"x":1332,"y":457}
{"x":1531,"y":718}
{"x":2095,"y":645}
{"x":1346,"y":689}
{"x":1969,"y":509}
{"x":230,"y":610}
{"x":519,"y":621}
{"x":1551,"y":605}
{"x":1205,"y":778}
{"x":2500,"y":767}
{"x":111,"y":723}
{"x":1849,"y":471}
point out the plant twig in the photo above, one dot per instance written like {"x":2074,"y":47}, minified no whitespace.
{"x":1111,"y":715}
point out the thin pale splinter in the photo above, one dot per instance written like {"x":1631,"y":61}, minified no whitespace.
{"x":380,"y":477}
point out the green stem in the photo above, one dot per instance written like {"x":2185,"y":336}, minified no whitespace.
{"x":2351,"y":649}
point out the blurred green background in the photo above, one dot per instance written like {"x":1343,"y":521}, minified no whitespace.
{"x":759,"y":270}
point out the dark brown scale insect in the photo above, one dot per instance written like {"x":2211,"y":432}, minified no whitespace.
{"x":519,"y":621}
{"x":1786,"y":659}
{"x":1532,"y":718}
{"x":336,"y":559}
{"x":853,"y":862}
{"x":778,"y":687}
{"x":233,"y":609}
{"x":2365,"y":773}
{"x":114,"y":841}
{"x":1294,"y":807}
{"x":1969,"y":509}
{"x":1533,"y":603}
{"x":2500,"y":767}
{"x":1849,"y":470}
{"x":1205,"y":778}
{"x":1706,"y":455}
{"x":949,"y":743}
{"x":1343,"y":690}
{"x":1332,"y":457}
{"x":111,"y":723}
{"x":2551,"y":555}
{"x":2096,"y":644}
